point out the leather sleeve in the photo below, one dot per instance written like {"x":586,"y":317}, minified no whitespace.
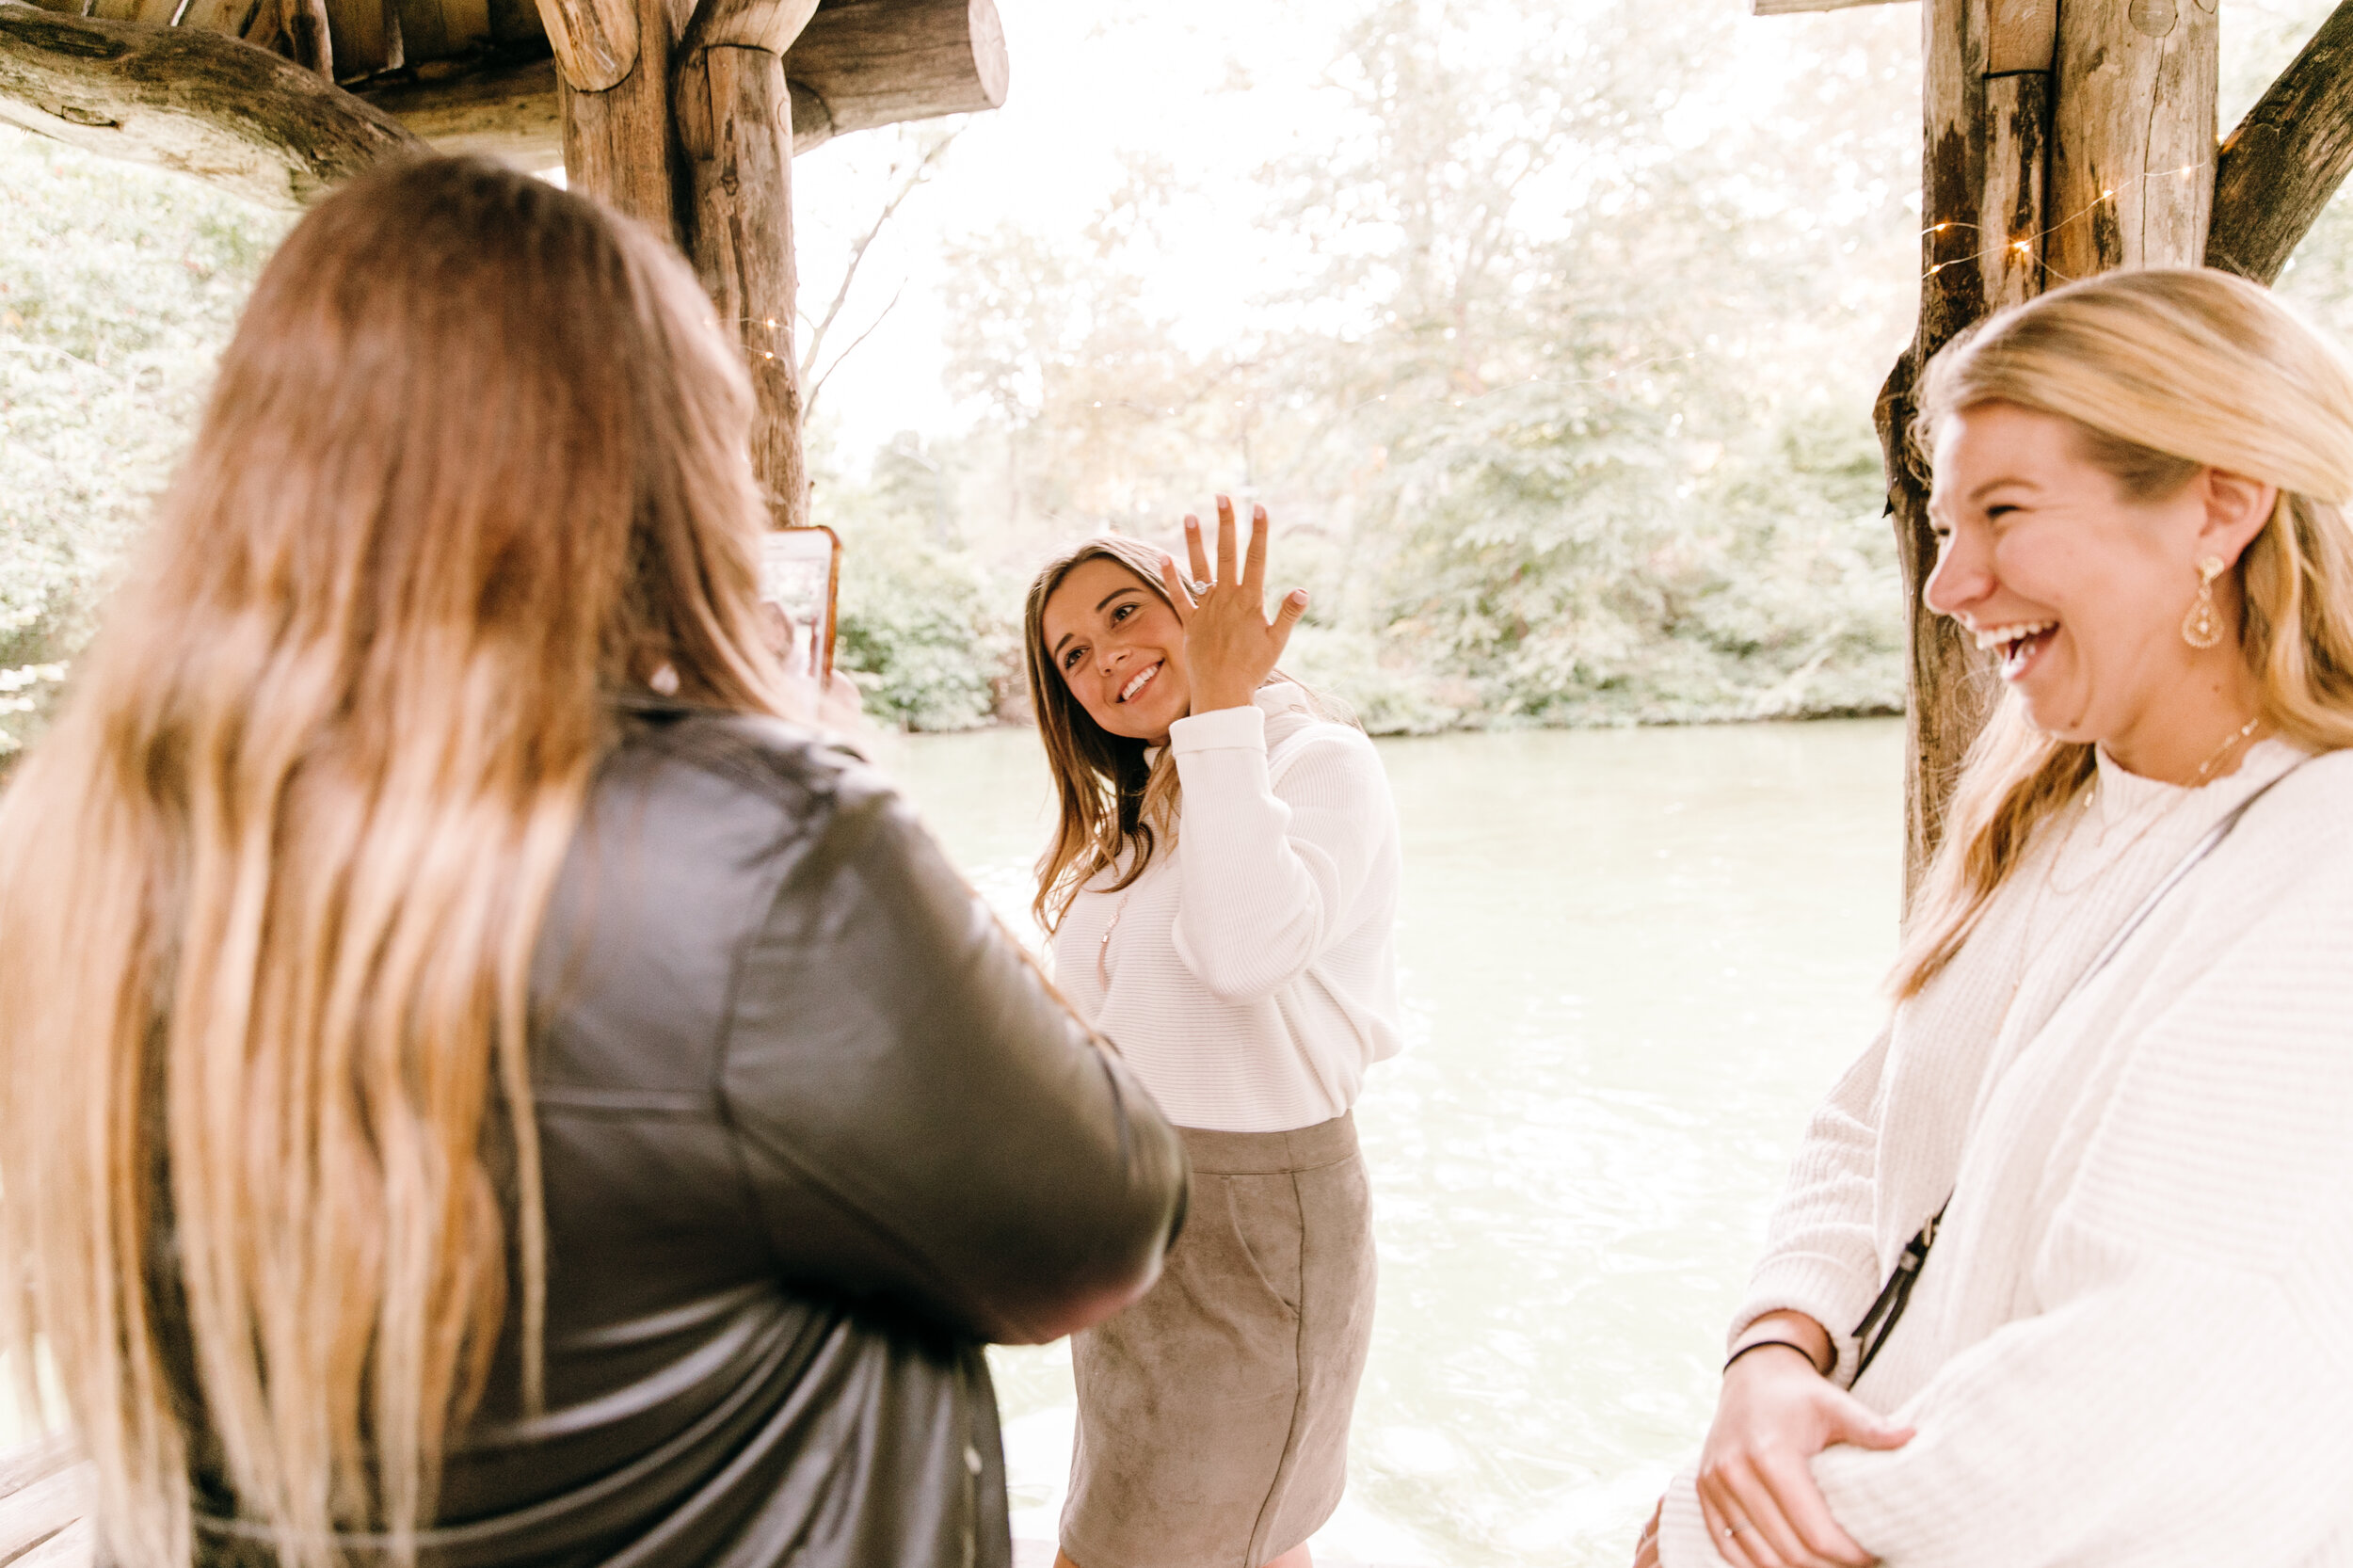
{"x":920,"y":1117}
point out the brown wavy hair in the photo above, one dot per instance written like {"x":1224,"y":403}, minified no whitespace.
{"x":2164,"y":372}
{"x":475,"y":460}
{"x":1109,"y":799}
{"x":1109,"y":802}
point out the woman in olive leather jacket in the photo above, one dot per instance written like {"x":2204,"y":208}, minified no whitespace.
{"x":460,"y":1106}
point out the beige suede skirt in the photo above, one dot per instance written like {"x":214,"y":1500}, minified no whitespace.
{"x":1213,"y":1413}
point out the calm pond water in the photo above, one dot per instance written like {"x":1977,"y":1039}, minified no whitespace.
{"x":1632,"y":962}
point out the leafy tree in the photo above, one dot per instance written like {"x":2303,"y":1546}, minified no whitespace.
{"x":117,"y":287}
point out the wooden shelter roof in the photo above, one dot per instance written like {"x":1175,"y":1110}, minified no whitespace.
{"x":154,"y":80}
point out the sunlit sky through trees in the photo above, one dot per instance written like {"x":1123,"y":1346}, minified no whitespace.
{"x":1194,"y":102}
{"x":1197,"y":99}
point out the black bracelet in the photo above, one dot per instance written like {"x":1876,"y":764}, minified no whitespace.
{"x":1784,"y":1344}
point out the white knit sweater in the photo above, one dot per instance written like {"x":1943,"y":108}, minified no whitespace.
{"x":1249,"y":977}
{"x":2132,"y":1345}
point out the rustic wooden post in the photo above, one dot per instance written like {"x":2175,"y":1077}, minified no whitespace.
{"x":2133,"y":143}
{"x":691,"y":130}
{"x":2059,"y":143}
{"x":1987,"y":116}
{"x":735,"y":121}
{"x":613,"y":70}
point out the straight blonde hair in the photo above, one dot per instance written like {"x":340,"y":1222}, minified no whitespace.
{"x":475,"y":460}
{"x":2165,"y":372}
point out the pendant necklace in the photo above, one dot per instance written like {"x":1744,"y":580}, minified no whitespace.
{"x":1103,"y":948}
{"x":2028,"y":942}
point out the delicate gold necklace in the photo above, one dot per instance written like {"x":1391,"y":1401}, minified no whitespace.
{"x":2165,"y":808}
{"x":1103,"y":948}
{"x":2224,"y":750}
{"x":2049,"y":886}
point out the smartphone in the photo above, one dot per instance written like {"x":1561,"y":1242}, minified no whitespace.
{"x":800,"y":573}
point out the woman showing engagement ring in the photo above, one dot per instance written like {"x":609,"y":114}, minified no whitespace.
{"x":1221,"y":890}
{"x":2061,"y":1272}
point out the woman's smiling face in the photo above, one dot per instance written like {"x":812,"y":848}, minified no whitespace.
{"x":1119,"y":648}
{"x":2077,"y":587}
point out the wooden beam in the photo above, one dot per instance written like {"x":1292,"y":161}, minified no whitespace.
{"x":620,"y":144}
{"x":505,"y":110}
{"x":2133,"y":135}
{"x":595,"y":42}
{"x":878,"y":62}
{"x":2020,"y":35}
{"x":508,"y":110}
{"x":1791,"y":8}
{"x":2287,"y":157}
{"x":1971,"y":178}
{"x":769,"y":24}
{"x":191,"y":100}
{"x":735,"y":119}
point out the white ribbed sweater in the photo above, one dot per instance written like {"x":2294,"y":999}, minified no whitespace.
{"x":1249,"y":977}
{"x":2132,"y":1346}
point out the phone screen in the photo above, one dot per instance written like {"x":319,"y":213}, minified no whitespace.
{"x":800,"y":574}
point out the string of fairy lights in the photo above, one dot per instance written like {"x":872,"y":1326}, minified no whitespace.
{"x":2025,"y":245}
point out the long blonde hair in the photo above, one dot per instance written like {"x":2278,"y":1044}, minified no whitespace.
{"x":2165,"y":372}
{"x":475,"y":460}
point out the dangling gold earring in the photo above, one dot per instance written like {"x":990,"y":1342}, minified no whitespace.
{"x":2202,"y":628}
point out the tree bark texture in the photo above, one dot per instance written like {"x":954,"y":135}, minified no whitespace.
{"x":1984,"y":156}
{"x":877,"y":62}
{"x":2287,"y":157}
{"x":595,"y":42}
{"x":621,"y":144}
{"x":462,"y":75}
{"x":736,"y":119}
{"x":189,"y":99}
{"x":2060,"y":141}
{"x":508,"y":110}
{"x":2133,"y":135}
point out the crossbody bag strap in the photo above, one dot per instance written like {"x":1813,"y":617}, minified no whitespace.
{"x":1878,"y":1323}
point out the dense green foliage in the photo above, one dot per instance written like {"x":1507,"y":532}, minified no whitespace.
{"x":1556,"y":380}
{"x":117,"y":287}
{"x":1560,"y":416}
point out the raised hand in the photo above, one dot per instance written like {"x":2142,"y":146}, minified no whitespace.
{"x":1231,"y":646}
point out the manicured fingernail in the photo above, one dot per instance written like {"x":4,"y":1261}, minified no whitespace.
{"x":1299,"y":596}
{"x":1192,"y":525}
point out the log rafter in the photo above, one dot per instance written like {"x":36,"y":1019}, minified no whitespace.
{"x":192,"y":100}
{"x":856,"y":65}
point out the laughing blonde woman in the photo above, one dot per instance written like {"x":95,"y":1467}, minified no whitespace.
{"x":477,"y":1087}
{"x":2063,"y":1273}
{"x":1221,"y":892}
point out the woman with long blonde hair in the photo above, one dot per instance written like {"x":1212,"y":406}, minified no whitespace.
{"x":1220,"y":890}
{"x":476,"y":1085}
{"x":2060,"y":1274}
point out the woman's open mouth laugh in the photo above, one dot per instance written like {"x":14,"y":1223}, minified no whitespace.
{"x":2017,"y":643}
